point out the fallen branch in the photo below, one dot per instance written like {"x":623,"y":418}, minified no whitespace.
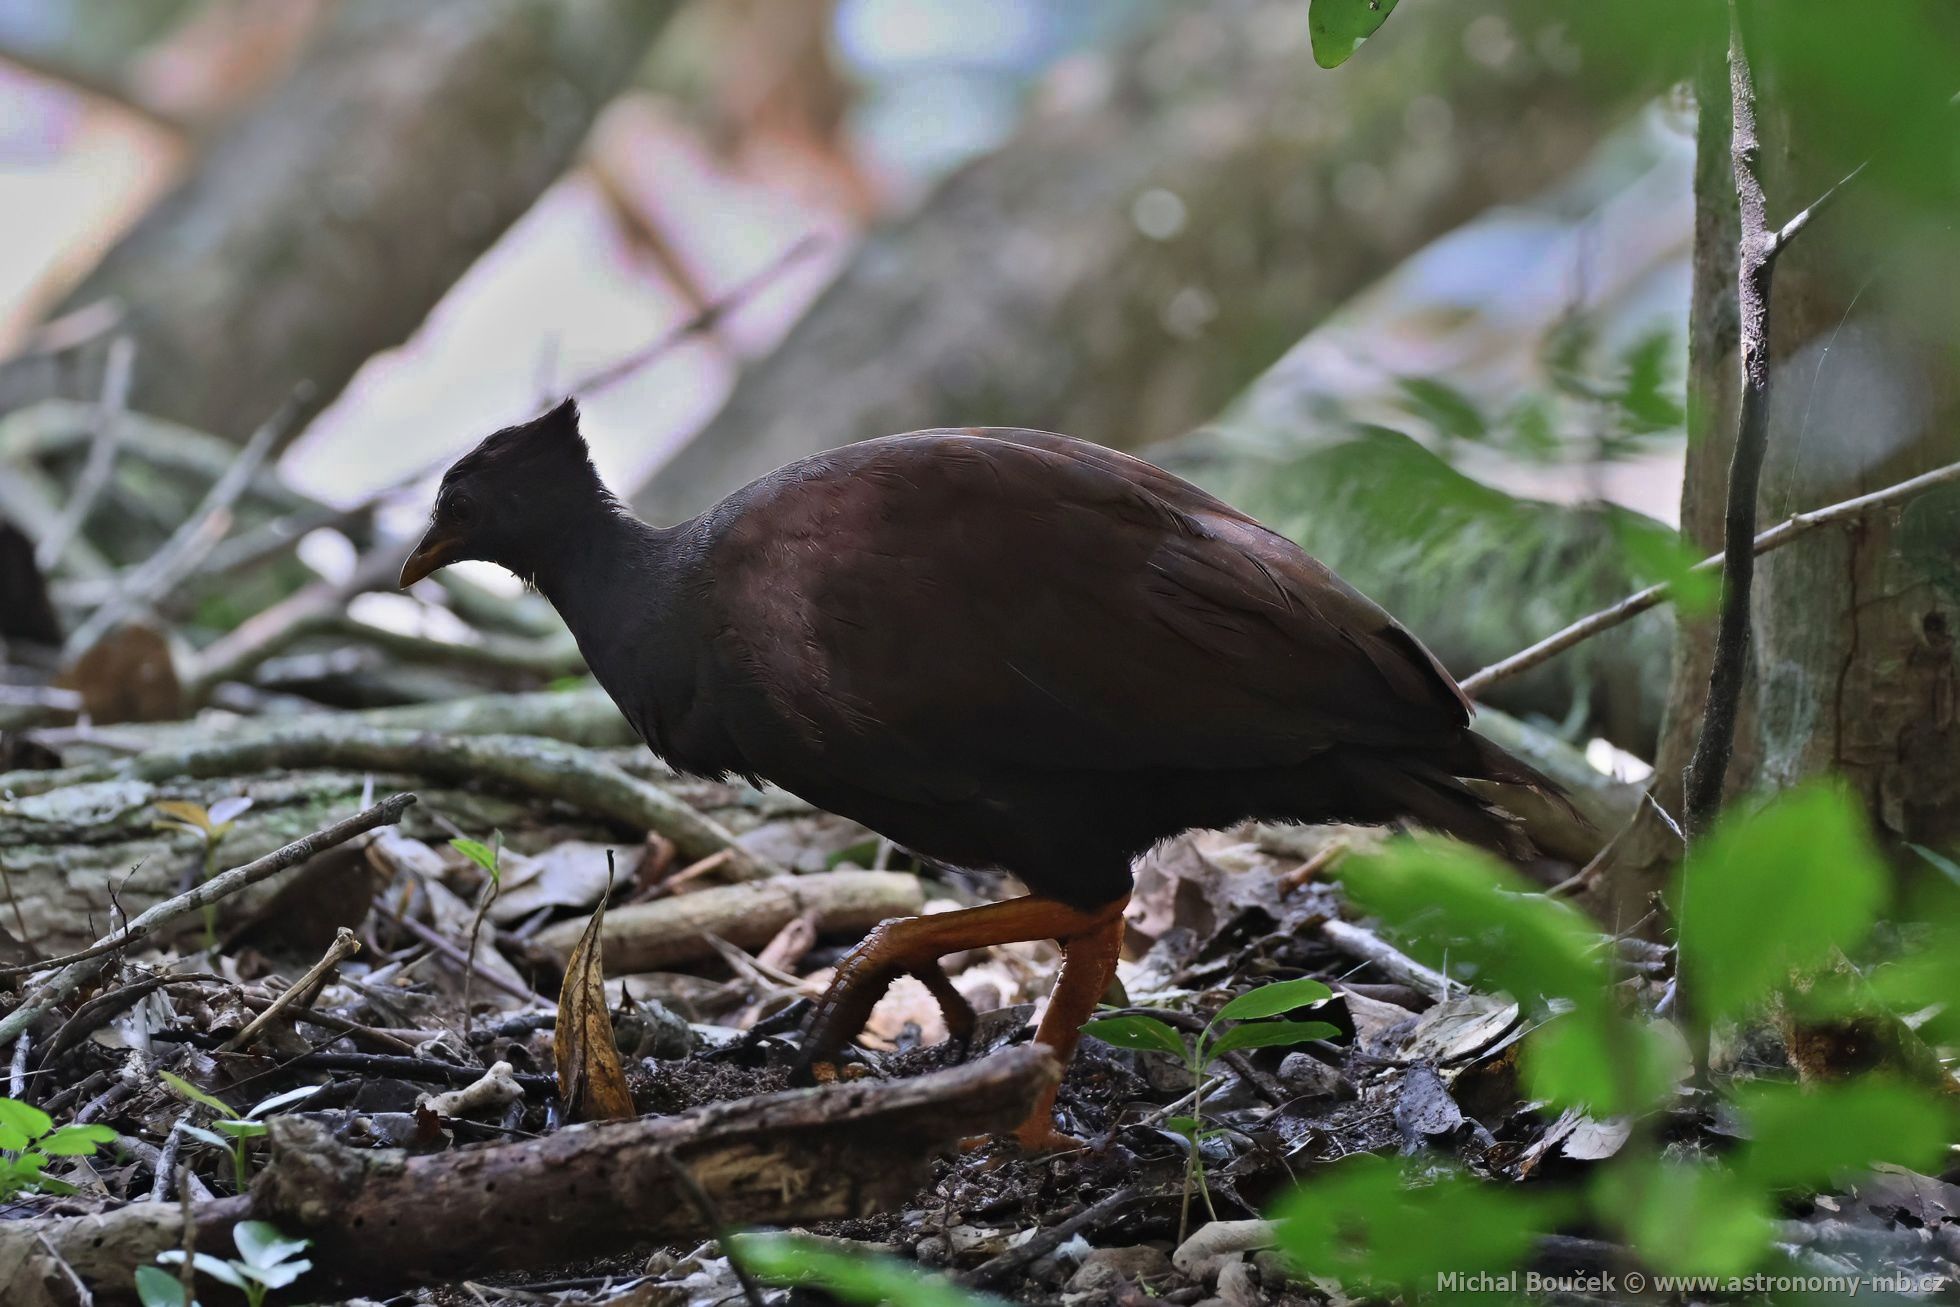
{"x":344,"y":946}
{"x":1653,"y":596}
{"x":1365,"y":946}
{"x":79,"y":968}
{"x":540,"y":767}
{"x":380,"y":1219}
{"x":194,"y":538}
{"x":105,"y":439}
{"x":662,"y":933}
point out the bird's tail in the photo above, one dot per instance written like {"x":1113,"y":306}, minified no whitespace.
{"x":1432,"y":790}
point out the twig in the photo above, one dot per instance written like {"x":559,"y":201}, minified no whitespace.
{"x":167,"y":1158}
{"x":454,"y":953}
{"x":345,"y":945}
{"x":17,"y":1068}
{"x":1792,"y":528}
{"x":1043,"y":1242}
{"x":178,"y":556}
{"x":77,"y":969}
{"x":1708,"y":768}
{"x":300,"y":613}
{"x":103,"y":443}
{"x":620,"y":369}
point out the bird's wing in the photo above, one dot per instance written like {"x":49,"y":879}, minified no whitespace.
{"x":948,"y":605}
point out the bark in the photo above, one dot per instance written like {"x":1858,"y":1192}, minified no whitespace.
{"x":1129,"y":260}
{"x":381,"y":1220}
{"x":323,"y":225}
{"x":667,"y":932}
{"x":1852,"y":661}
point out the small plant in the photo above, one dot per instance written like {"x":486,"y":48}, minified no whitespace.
{"x":28,"y":1138}
{"x":1147,"y":1034}
{"x":490,"y":858}
{"x":267,"y":1259}
{"x":233,"y":1133}
{"x":787,"y":1259}
{"x":210,"y":825}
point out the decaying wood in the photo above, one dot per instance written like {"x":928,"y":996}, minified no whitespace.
{"x":382,"y":1219}
{"x":544,"y":768}
{"x":666,"y":932}
{"x":78,"y":968}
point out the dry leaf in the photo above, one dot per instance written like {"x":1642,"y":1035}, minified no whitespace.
{"x":591,"y":1082}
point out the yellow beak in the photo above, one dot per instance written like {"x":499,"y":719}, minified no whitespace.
{"x":435,"y":551}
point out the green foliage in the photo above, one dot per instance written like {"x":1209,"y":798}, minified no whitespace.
{"x":487,"y":856}
{"x":267,"y":1260}
{"x":1594,"y":1058}
{"x":1450,"y":901}
{"x":1775,"y":889}
{"x":210,"y":825}
{"x":784,"y":1259}
{"x":1688,"y":1218}
{"x":1146,"y":1034}
{"x":1338,"y":27}
{"x":1657,"y":555}
{"x":1799,"y":1138}
{"x":28,"y":1138}
{"x":232,"y":1133}
{"x":1368,"y":1221}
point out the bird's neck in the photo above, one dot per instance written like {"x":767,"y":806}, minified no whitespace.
{"x":604,"y":570}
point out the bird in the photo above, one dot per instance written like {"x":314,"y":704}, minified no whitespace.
{"x":1002,"y":649}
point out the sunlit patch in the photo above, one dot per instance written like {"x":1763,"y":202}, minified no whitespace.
{"x":1610,"y":759}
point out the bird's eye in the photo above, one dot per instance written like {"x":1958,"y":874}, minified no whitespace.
{"x":462,"y":510}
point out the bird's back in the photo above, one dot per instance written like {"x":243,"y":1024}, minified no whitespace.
{"x":990,"y":638}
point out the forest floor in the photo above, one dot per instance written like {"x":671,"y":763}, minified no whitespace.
{"x":1417,"y":1065}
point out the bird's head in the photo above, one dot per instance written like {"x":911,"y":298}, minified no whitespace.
{"x":512,"y":499}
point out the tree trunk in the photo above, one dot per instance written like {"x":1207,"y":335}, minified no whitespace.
{"x":323,"y":225}
{"x":1134,"y":256}
{"x":1851,"y":645}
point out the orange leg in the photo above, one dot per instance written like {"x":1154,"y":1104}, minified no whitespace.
{"x":1090,"y":941}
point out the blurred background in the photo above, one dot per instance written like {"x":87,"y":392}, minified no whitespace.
{"x":1428,"y":311}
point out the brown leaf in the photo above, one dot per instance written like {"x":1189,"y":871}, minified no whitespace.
{"x":591,"y":1082}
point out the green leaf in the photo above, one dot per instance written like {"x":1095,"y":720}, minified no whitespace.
{"x":1776,"y":890}
{"x":277,"y":1276}
{"x":1447,"y":900}
{"x":186,"y":1090}
{"x":282,"y":1100}
{"x":23,"y":1121}
{"x":1366,"y":1220}
{"x":1144,"y":1034}
{"x":207,"y":1136}
{"x":1656,"y":555}
{"x":243,"y":1129}
{"x":263,"y":1244}
{"x":1270,"y":1034}
{"x":1686,"y":1218}
{"x":1188,"y":1126}
{"x":156,"y":1287}
{"x":483,"y":855}
{"x":1271,"y":1000}
{"x":1946,"y":866}
{"x":1338,"y":27}
{"x":221,"y":1271}
{"x":786,"y":1259}
{"x":77,"y":1140}
{"x":1799,"y":1137}
{"x":1576,"y":1061}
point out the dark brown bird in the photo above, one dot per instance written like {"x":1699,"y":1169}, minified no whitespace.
{"x":999,"y":648}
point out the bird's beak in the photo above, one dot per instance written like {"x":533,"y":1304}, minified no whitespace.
{"x":436,"y":550}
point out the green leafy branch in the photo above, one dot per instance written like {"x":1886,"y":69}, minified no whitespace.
{"x":267,"y":1259}
{"x":29,"y":1140}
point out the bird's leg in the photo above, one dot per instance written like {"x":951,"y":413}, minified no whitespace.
{"x":1088,"y":964}
{"x":914,"y":945}
{"x":958,"y":1013}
